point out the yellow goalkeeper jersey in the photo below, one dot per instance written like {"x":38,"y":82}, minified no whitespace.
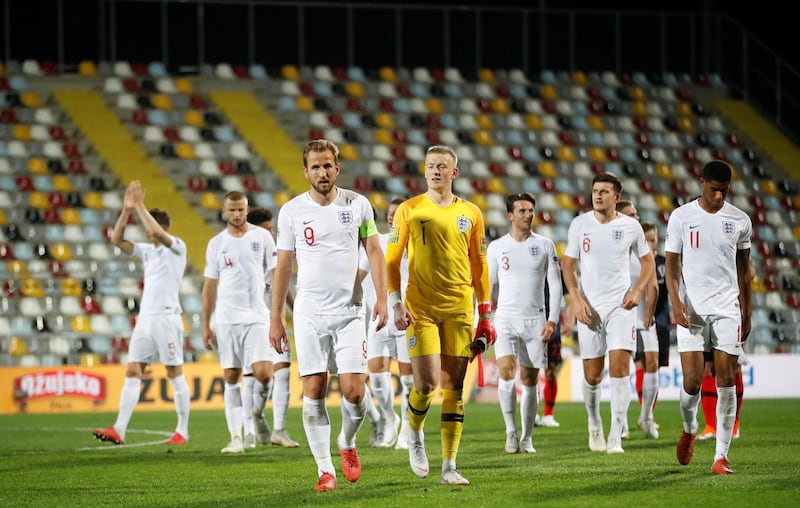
{"x":446,"y":253}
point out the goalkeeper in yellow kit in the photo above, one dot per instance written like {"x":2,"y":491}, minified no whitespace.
{"x":443,"y":235}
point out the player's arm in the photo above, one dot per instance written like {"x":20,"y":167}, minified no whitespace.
{"x":491,"y":263}
{"x":280,"y":290}
{"x":209,"y":300}
{"x":147,"y":220}
{"x":555,"y":292}
{"x":377,"y":269}
{"x":651,"y":298}
{"x":672,"y":277}
{"x":398,"y":241}
{"x":582,"y":309}
{"x":647,"y":274}
{"x":480,"y":280}
{"x":118,"y":233}
{"x":745,"y":274}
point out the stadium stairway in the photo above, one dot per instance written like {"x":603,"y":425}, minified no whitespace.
{"x":763,"y":133}
{"x":129,"y":161}
{"x":265,"y":135}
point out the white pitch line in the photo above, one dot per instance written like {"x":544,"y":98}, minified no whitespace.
{"x":99,"y":447}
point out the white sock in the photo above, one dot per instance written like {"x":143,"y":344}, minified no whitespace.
{"x":280,"y":397}
{"x":318,"y":433}
{"x":384,"y":394}
{"x":128,"y":399}
{"x":260,"y":393}
{"x":726,"y":416}
{"x":248,"y":382}
{"x":233,"y":409}
{"x":620,"y":401}
{"x":591,"y":398}
{"x":352,"y":419}
{"x":372,"y":411}
{"x":649,"y":394}
{"x":180,"y":394}
{"x":507,"y":397}
{"x":528,"y":407}
{"x":406,"y":381}
{"x":689,"y":405}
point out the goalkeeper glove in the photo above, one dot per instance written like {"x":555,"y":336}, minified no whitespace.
{"x":485,"y":327}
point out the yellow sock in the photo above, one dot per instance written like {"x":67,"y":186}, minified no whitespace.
{"x":418,"y":405}
{"x":452,"y":423}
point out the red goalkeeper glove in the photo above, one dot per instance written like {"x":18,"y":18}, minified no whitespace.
{"x":485,"y":327}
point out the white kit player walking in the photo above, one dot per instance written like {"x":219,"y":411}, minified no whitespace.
{"x":159,"y":327}
{"x":323,"y":228}
{"x":708,"y":262}
{"x":519,"y":264}
{"x":602,"y":241}
{"x":237,"y":261}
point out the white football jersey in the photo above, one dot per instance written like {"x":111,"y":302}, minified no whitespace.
{"x":604,"y":252}
{"x":163,"y":271}
{"x":325,"y":241}
{"x":520,"y":269}
{"x":240,"y":265}
{"x":707,"y":243}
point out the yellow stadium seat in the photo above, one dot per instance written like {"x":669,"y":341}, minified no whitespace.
{"x":87,"y":69}
{"x":304,"y":103}
{"x":596,"y":123}
{"x":384,"y":137}
{"x":71,"y":287}
{"x":186,"y":327}
{"x":421,"y":168}
{"x":664,"y":202}
{"x":183,"y":85}
{"x":210,"y":201}
{"x":32,"y":287}
{"x":17,"y":347}
{"x":486,"y":76}
{"x":482,"y":137}
{"x":387,"y":74}
{"x":579,"y":78}
{"x":378,"y":200}
{"x":38,"y":199}
{"x":3,"y":218}
{"x":597,"y":154}
{"x":161,"y":101}
{"x":496,"y":185}
{"x":566,"y":154}
{"x":484,"y":121}
{"x":637,"y":94}
{"x":70,"y":216}
{"x":90,"y":360}
{"x":480,"y":201}
{"x":548,"y":92}
{"x":17,"y":267}
{"x":561,"y":248}
{"x":37,"y":166}
{"x":21,"y":132}
{"x":565,"y":202}
{"x":31,"y":99}
{"x":93,"y":200}
{"x":282,"y":197}
{"x":355,"y":89}
{"x":533,"y":121}
{"x":433,"y":105}
{"x":194,"y":118}
{"x":639,"y":108}
{"x":61,"y":251}
{"x":290,"y":72}
{"x":384,"y":120}
{"x":796,"y":232}
{"x":80,"y":324}
{"x":663,"y":171}
{"x":685,"y":124}
{"x":185,"y":151}
{"x":500,"y":106}
{"x":770,"y":187}
{"x":62,"y":183}
{"x":683,"y":109}
{"x":348,"y":152}
{"x":548,"y":170}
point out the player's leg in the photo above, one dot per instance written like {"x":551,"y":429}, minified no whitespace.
{"x":505,"y":351}
{"x":708,"y":397}
{"x":280,"y":402}
{"x":649,"y":382}
{"x":691,"y":344}
{"x":554,"y":361}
